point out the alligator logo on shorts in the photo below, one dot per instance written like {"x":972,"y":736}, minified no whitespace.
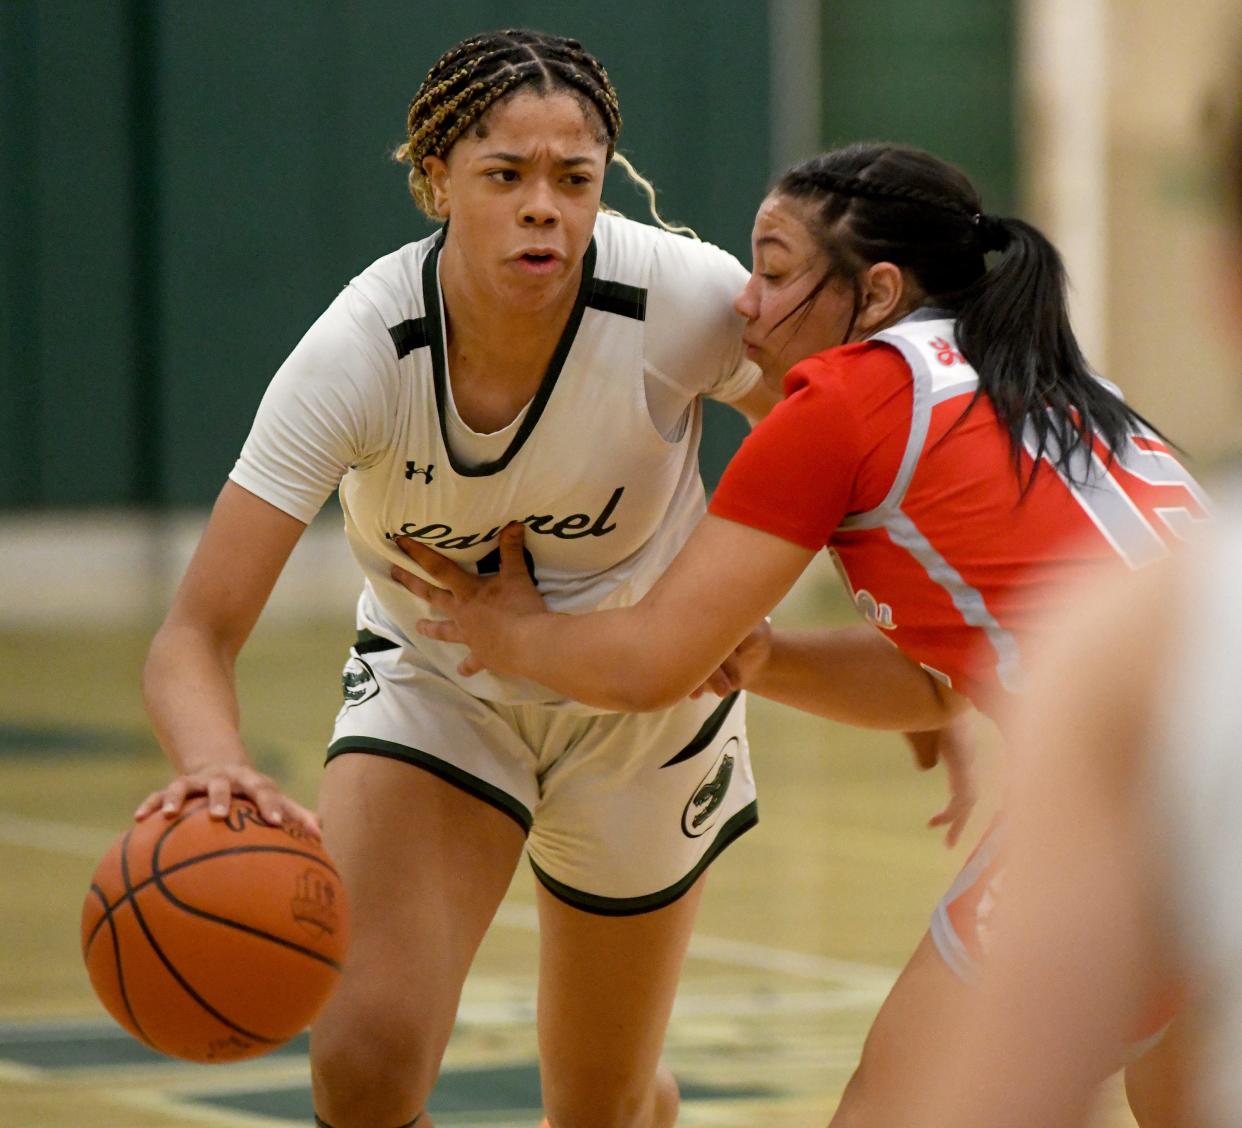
{"x":358,"y":682}
{"x":703,"y":810}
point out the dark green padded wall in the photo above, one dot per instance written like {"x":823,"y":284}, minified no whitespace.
{"x":184,"y":186}
{"x":934,"y":73}
{"x":67,"y":422}
{"x":187,"y":185}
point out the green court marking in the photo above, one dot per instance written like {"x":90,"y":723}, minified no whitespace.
{"x":511,"y":1090}
{"x":38,"y":740}
{"x":503,"y":1092}
{"x":32,"y":740}
{"x":97,"y":1045}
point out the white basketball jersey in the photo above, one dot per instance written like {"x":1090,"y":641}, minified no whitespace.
{"x":607,"y":500}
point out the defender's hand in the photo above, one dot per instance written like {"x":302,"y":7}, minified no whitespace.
{"x":737,"y":671}
{"x":481,"y":612}
{"x":954,"y":746}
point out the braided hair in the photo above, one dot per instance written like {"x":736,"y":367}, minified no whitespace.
{"x":472,"y":77}
{"x":892,"y":203}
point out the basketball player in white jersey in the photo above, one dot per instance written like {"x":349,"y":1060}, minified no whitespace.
{"x":537,"y":360}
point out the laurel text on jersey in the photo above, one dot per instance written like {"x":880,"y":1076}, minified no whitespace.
{"x":574,"y":526}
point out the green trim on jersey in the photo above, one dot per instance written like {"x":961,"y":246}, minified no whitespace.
{"x":439,"y":362}
{"x":619,"y":298}
{"x":409,"y":335}
{"x":450,"y":773}
{"x":736,"y":826}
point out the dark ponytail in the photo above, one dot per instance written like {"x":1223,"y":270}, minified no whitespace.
{"x":890,"y":203}
{"x":1013,"y":326}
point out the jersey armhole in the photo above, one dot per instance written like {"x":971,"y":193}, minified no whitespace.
{"x":895,"y":361}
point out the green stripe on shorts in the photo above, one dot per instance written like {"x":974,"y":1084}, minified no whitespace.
{"x":736,"y":826}
{"x":450,"y":773}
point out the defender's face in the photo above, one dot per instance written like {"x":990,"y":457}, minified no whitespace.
{"x":788,"y":265}
{"x":521,"y":192}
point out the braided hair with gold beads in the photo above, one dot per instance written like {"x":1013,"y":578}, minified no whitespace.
{"x":472,"y":77}
{"x":480,"y":72}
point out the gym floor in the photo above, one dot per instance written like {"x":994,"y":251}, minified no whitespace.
{"x":805,"y":921}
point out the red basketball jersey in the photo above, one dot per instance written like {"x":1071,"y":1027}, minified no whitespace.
{"x":874,"y":454}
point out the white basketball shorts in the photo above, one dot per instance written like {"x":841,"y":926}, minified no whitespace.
{"x":622,"y":811}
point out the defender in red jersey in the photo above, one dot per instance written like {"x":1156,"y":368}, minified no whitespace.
{"x":945,"y":439}
{"x":881,"y":452}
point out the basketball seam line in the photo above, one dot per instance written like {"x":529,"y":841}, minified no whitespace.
{"x":186,"y":863}
{"x":116,"y":954}
{"x":248,"y":929}
{"x":157,"y":876}
{"x":171,"y":968}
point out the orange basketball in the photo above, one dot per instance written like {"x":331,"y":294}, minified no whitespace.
{"x":214,"y":939}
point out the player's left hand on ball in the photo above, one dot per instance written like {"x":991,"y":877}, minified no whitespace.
{"x":953,"y":746}
{"x":479,"y":611}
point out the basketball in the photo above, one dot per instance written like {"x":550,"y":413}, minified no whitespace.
{"x":211,"y":939}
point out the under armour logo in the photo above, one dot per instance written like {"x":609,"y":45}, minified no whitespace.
{"x":412,"y":468}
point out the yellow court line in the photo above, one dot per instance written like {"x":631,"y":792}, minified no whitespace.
{"x":743,"y":953}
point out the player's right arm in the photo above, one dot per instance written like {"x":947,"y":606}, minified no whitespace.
{"x":327,"y":409}
{"x":188,"y":680}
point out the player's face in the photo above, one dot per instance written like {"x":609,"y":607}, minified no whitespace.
{"x":788,"y":264}
{"x":522,"y":193}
